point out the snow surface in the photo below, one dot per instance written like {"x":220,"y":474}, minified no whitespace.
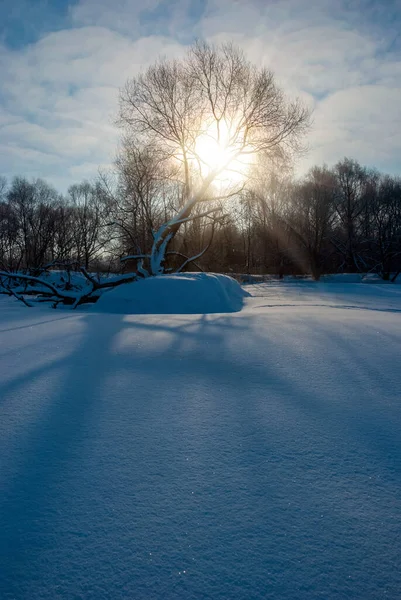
{"x":251,"y":455}
{"x":186,"y":293}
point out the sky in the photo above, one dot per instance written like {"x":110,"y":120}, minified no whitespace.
{"x":62,"y":64}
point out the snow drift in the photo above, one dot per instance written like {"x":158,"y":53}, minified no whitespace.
{"x":186,"y":293}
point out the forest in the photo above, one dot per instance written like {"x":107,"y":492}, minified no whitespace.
{"x":341,"y":219}
{"x":205,"y":179}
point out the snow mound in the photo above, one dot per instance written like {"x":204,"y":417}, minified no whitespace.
{"x":186,"y":293}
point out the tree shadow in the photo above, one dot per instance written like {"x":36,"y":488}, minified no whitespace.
{"x":48,"y":447}
{"x":336,"y":306}
{"x":44,"y":322}
{"x":209,"y":444}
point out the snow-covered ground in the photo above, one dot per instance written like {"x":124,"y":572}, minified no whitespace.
{"x":250,"y":455}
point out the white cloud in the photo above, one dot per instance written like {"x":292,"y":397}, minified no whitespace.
{"x":361,"y":122}
{"x":59,"y":95}
{"x":344,"y":72}
{"x":119,"y":15}
{"x":137,"y":17}
{"x":60,"y":98}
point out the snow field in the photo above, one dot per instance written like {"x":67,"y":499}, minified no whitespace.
{"x":247,"y":455}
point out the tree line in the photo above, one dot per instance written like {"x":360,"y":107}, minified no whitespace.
{"x":203,"y":180}
{"x":341,"y":219}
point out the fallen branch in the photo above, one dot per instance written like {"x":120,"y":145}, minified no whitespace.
{"x":97,"y":285}
{"x":17,"y":296}
{"x":193,"y":258}
{"x":186,"y":258}
{"x":393,"y":279}
{"x":50,"y":286}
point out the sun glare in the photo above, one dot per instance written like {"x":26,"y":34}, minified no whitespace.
{"x":215,"y":151}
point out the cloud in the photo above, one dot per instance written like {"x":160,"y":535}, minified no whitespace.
{"x":361,"y":122}
{"x":175,"y":18}
{"x":60,"y":99}
{"x":120,"y":15}
{"x":348,"y":69}
{"x":59,"y":94}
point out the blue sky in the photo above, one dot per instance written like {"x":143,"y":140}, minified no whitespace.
{"x":62,"y":63}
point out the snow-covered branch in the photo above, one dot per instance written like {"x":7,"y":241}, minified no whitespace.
{"x":134,"y":257}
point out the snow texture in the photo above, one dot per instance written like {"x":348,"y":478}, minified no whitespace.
{"x":251,"y":455}
{"x":186,"y":293}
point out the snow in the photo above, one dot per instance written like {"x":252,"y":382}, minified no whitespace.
{"x":186,"y":293}
{"x":247,"y":455}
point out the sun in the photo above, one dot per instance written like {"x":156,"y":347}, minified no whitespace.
{"x":215,"y":149}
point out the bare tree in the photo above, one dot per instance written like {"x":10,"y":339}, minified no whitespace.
{"x":272,"y":191}
{"x":210,"y":113}
{"x":146,"y":197}
{"x":350,"y":198}
{"x":3,"y":188}
{"x":311,"y":217}
{"x":385,"y":215}
{"x":31,"y":208}
{"x":90,"y":215}
{"x":11,"y":252}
